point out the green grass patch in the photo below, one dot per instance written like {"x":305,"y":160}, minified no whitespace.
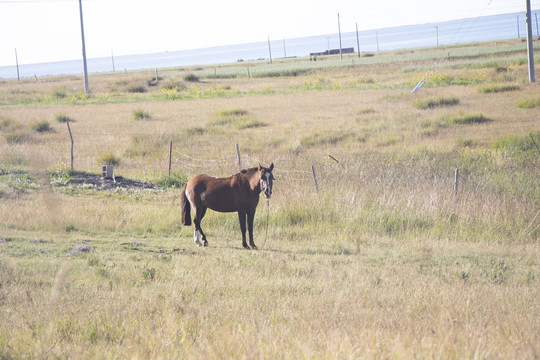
{"x":497,"y":89}
{"x":528,"y":103}
{"x":318,"y":138}
{"x":236,"y":118}
{"x":365,"y":111}
{"x":176,"y":180}
{"x":425,"y":104}
{"x":513,"y":143}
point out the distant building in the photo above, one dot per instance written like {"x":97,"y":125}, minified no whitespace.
{"x":333,"y":52}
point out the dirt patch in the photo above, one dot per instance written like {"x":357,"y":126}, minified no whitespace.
{"x":113,"y":183}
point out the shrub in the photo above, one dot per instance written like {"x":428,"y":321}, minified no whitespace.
{"x":191,"y":78}
{"x":41,"y":126}
{"x":176,"y":180}
{"x":141,"y":115}
{"x":528,"y":103}
{"x":108,"y":159}
{"x":433,"y":103}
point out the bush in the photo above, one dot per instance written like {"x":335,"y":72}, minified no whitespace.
{"x":191,"y":78}
{"x":176,"y":180}
{"x":41,"y":126}
{"x":108,"y":159}
{"x":141,"y":115}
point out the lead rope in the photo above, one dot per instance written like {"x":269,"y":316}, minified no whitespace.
{"x":267,"y":219}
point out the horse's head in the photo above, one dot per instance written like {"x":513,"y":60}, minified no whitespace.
{"x":266,"y":180}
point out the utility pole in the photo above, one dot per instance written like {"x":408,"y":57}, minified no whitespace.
{"x":530,"y":55}
{"x":269,"y":49}
{"x":339,"y":32}
{"x":437,"y":29}
{"x":17,"y":63}
{"x":112,"y":58}
{"x":357,"y":40}
{"x":85,"y":69}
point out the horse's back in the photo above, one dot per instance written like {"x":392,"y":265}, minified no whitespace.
{"x":215,"y":193}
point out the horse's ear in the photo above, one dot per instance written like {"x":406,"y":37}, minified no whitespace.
{"x":259,"y":166}
{"x":271,"y":166}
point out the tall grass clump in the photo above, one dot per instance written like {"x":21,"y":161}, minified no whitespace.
{"x":467,"y":119}
{"x":497,"y":89}
{"x":528,"y":103}
{"x":424,"y":104}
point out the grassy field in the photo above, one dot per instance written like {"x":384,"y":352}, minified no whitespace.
{"x":384,"y":261}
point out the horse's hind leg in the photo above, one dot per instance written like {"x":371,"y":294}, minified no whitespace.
{"x":199,"y":214}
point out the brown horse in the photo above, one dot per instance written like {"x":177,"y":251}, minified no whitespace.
{"x":237,"y":193}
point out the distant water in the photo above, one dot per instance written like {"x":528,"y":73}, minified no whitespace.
{"x":487,"y":28}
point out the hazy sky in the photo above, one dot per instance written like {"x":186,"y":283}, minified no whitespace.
{"x":49,"y":30}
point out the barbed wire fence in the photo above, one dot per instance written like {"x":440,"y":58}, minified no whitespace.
{"x":285,"y":172}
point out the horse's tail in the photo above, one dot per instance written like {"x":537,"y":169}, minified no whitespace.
{"x":186,"y":208}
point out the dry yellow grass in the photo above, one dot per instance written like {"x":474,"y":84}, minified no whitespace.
{"x":384,"y":262}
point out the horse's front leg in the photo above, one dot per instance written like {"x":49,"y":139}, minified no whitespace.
{"x":242,"y":218}
{"x":250,"y":218}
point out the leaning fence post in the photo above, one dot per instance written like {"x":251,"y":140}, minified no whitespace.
{"x":534,"y":142}
{"x":315,"y":178}
{"x":238,"y":156}
{"x":456,"y":182}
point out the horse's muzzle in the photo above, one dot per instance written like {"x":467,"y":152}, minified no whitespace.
{"x":267,"y":192}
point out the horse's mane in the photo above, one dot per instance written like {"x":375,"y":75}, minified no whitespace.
{"x":249,"y":171}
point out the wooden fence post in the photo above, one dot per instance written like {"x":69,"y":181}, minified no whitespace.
{"x":456,"y":182}
{"x":71,"y":137}
{"x":534,"y":142}
{"x":315,"y":178}
{"x":238,"y":156}
{"x":170,"y":158}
